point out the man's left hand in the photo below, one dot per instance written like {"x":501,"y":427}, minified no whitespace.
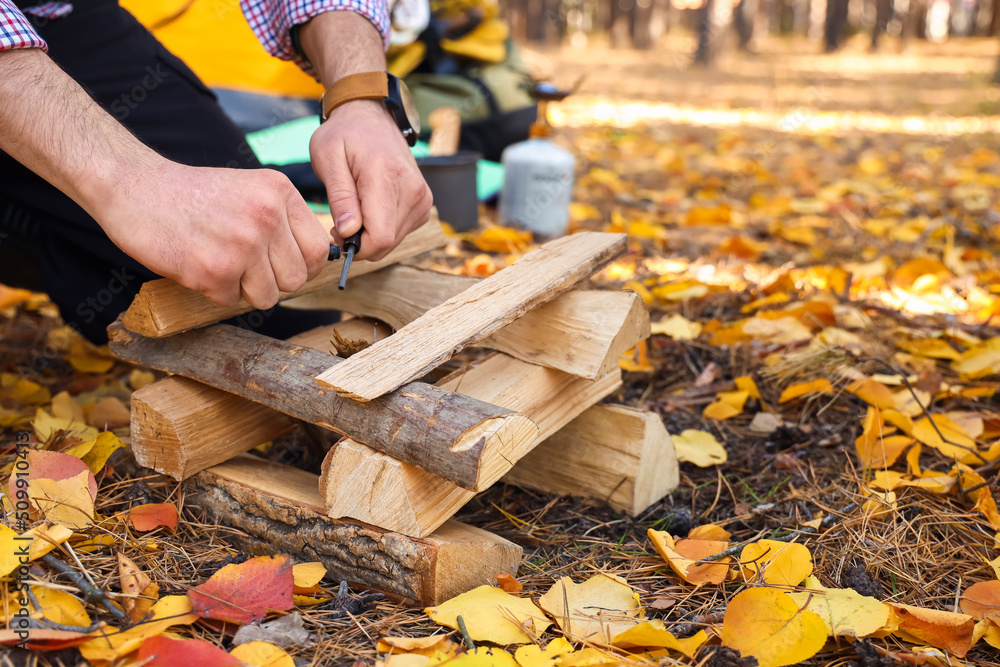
{"x":371,"y":177}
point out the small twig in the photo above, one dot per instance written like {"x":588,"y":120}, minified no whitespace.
{"x":465,"y":634}
{"x":90,"y":592}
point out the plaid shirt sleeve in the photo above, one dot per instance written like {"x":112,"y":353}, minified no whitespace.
{"x":15,"y":31}
{"x":272,"y":21}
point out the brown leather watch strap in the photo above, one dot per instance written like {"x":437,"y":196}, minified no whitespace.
{"x":364,"y":86}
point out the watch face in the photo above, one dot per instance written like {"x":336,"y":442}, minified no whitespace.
{"x":409,"y":108}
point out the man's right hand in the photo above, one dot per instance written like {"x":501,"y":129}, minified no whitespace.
{"x":227,"y":233}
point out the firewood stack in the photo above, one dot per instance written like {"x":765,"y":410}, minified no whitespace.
{"x":413,"y":453}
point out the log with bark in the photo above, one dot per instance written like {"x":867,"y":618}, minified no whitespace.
{"x":180,"y":426}
{"x":277,"y":509}
{"x":459,"y":438}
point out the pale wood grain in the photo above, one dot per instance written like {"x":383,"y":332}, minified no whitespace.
{"x":452,"y":435}
{"x":582,"y":332}
{"x":163,"y":307}
{"x":614,"y":453}
{"x":466,"y":318}
{"x":361,"y":483}
{"x":278,"y":509}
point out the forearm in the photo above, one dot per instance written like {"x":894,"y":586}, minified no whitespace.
{"x":51,"y":125}
{"x":341,"y":43}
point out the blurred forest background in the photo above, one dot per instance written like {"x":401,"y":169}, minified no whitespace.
{"x":742,"y":26}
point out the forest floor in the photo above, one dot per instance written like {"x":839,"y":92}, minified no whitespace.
{"x":824,"y":300}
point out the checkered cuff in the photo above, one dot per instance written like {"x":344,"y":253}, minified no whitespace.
{"x":272,"y":21}
{"x":15,"y":30}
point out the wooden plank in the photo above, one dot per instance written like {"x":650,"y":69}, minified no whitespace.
{"x":278,"y":510}
{"x":582,"y":332}
{"x":163,"y":307}
{"x":459,"y":438}
{"x":614,"y":453}
{"x":360,"y":483}
{"x":466,"y":318}
{"x":180,"y":426}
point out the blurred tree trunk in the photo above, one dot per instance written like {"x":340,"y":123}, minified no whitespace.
{"x":743,"y":21}
{"x":995,"y":19}
{"x":535,"y":20}
{"x":704,"y":54}
{"x":620,"y":28}
{"x":641,"y":24}
{"x":833,"y":28}
{"x":883,"y":14}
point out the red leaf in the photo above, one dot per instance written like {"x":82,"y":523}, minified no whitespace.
{"x":163,"y":652}
{"x":244,"y":593}
{"x":149,"y":517}
{"x":44,"y":464}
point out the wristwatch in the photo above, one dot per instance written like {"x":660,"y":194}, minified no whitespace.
{"x":390,"y":90}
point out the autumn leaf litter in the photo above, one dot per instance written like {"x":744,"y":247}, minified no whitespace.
{"x":823,"y":353}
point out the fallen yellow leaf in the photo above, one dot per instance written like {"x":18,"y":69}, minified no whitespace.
{"x":821,"y":386}
{"x":653,"y":634}
{"x":728,"y":404}
{"x":262,"y":654}
{"x":307,"y":575}
{"x":46,"y":426}
{"x":781,"y":330}
{"x":100,"y":450}
{"x":596,"y":610}
{"x":874,"y":392}
{"x":683,"y":555}
{"x":956,"y":443}
{"x":492,"y":615}
{"x":110,"y":643}
{"x":933,"y":348}
{"x":67,"y":501}
{"x":699,"y":448}
{"x":533,"y":655}
{"x":845,"y":612}
{"x":766,"y":624}
{"x":677,"y":327}
{"x":776,"y":563}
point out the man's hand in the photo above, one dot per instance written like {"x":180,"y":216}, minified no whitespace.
{"x":223,"y":232}
{"x":359,"y":153}
{"x":371,"y":177}
{"x":227,"y":233}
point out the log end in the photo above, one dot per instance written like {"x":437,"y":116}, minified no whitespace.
{"x":155,"y":442}
{"x":504,"y":440}
{"x":140,"y":317}
{"x":635,"y":327}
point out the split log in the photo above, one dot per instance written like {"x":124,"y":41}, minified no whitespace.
{"x":459,"y":438}
{"x":580,"y":332}
{"x":360,"y":483}
{"x":163,"y":307}
{"x":278,"y":510}
{"x":614,"y":453}
{"x":467,"y":318}
{"x":180,"y":426}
